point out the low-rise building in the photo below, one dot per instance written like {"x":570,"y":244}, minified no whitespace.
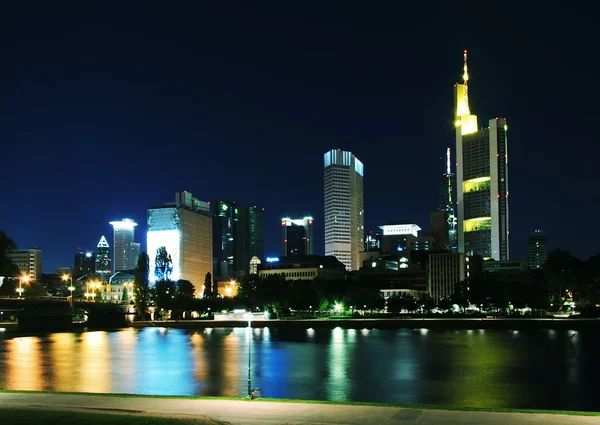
{"x":119,"y":284}
{"x":307,"y":267}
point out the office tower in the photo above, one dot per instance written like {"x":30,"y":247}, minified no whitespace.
{"x":439,"y":230}
{"x":84,"y":264}
{"x":184,"y":228}
{"x":373,"y":242}
{"x":482,"y":180}
{"x":447,"y":203}
{"x":136,"y":248}
{"x":103,"y":262}
{"x":123,"y":251}
{"x":28,"y":261}
{"x":296,"y":236}
{"x":238,"y":235}
{"x":537,"y":254}
{"x":344,"y":209}
{"x":395,"y":235}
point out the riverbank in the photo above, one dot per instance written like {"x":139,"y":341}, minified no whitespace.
{"x":283,"y":411}
{"x":414,"y":323}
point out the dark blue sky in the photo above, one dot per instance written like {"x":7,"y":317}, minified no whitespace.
{"x":108,"y":109}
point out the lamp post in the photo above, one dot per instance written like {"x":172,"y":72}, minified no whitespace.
{"x":249,"y":353}
{"x":22,"y":278}
{"x":69,"y":278}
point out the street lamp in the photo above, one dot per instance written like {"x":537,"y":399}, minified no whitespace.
{"x":69,"y":278}
{"x":22,"y":278}
{"x":249,"y":314}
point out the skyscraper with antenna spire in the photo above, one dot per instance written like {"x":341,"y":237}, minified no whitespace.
{"x":482,"y":179}
{"x":447,"y":202}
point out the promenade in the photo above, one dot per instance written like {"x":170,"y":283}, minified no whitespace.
{"x":264,"y":412}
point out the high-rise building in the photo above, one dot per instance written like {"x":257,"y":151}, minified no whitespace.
{"x":184,"y":228}
{"x":344,"y":208}
{"x":396,"y":234}
{"x":296,"y":236}
{"x":84,"y":264}
{"x":439,"y":230}
{"x":537,"y":253}
{"x":447,"y":203}
{"x":238,"y":235}
{"x":482,"y":180}
{"x":103,"y":261}
{"x":28,"y":261}
{"x":124,"y":257}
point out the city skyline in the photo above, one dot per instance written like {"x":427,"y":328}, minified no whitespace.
{"x":297,"y":95}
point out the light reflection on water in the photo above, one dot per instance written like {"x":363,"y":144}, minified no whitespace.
{"x":543,"y":369}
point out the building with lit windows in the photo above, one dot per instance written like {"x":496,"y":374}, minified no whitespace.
{"x":184,"y":228}
{"x":297,"y":236}
{"x":238,"y":235}
{"x":482,"y":180}
{"x":124,"y":251}
{"x":28,"y":261}
{"x":103,"y":260}
{"x":372,"y":241}
{"x":537,"y":254}
{"x":344,"y":209}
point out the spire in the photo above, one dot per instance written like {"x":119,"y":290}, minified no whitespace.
{"x":448,"y":161}
{"x":102,"y":243}
{"x":466,"y":83}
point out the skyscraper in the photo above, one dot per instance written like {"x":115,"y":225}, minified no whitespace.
{"x":184,"y":228}
{"x":124,"y":257}
{"x":103,"y":269}
{"x":296,"y":236}
{"x":344,"y":209}
{"x":85,"y":264}
{"x":482,"y":180}
{"x":28,"y":261}
{"x":537,"y":254}
{"x":238,"y":235}
{"x":447,"y":203}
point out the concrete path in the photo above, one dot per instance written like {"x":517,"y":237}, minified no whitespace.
{"x":259,"y":412}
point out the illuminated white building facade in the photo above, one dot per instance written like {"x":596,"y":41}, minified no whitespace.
{"x":185,"y":230}
{"x":124,"y":247}
{"x":482,"y":180}
{"x":344,"y":208}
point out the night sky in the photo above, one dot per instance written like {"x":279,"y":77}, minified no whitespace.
{"x":107,"y":110}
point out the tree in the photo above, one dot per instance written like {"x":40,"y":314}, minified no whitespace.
{"x":185,"y":289}
{"x":7,"y":268}
{"x":141,"y":284}
{"x":215,"y":292}
{"x":164,"y":294}
{"x":163,"y":267}
{"x":125,"y":295}
{"x":207,"y":293}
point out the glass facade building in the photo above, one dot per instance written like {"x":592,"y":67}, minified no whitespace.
{"x":297,"y":236}
{"x":103,"y":260}
{"x":238,"y":236}
{"x":537,"y":253}
{"x":124,"y":258}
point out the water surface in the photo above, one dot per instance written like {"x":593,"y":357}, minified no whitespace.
{"x":479,"y":368}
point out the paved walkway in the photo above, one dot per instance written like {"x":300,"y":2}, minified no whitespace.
{"x":259,"y":412}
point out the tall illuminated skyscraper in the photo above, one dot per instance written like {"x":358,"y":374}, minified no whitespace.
{"x":482,"y":180}
{"x":103,"y":269}
{"x":344,"y":209}
{"x":123,"y":245}
{"x":184,"y":228}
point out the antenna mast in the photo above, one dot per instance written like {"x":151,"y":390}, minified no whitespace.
{"x":466,"y":83}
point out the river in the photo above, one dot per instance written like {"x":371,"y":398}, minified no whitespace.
{"x":543,"y":369}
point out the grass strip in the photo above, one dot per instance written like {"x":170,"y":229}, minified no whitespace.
{"x":22,"y":416}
